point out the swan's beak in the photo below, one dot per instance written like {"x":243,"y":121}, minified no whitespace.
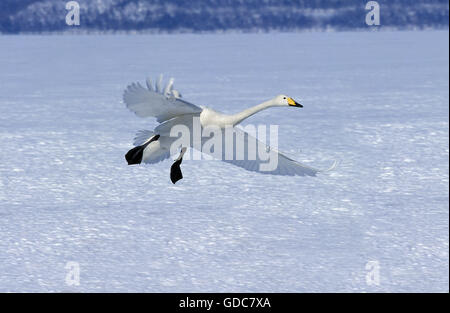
{"x":292,"y":103}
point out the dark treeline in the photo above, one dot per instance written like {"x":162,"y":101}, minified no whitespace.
{"x":212,"y":15}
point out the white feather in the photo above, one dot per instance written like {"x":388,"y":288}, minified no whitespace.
{"x":146,"y":103}
{"x":167,"y":91}
{"x":176,"y":94}
{"x":158,"y":85}
{"x":149,"y":84}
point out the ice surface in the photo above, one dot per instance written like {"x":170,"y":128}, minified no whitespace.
{"x":377,"y":101}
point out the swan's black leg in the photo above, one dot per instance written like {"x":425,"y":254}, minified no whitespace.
{"x":175,"y":170}
{"x":134,"y":156}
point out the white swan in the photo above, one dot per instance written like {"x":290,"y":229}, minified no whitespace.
{"x":170,"y":110}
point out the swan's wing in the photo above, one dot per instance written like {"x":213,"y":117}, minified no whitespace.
{"x":162,"y":103}
{"x":252,"y":161}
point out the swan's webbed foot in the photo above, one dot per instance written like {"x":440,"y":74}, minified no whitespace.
{"x":175,"y":170}
{"x":134,"y":156}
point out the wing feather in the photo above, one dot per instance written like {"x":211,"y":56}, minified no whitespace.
{"x":285,"y":165}
{"x":149,"y":84}
{"x":163,"y":105}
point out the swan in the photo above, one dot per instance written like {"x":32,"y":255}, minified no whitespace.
{"x":170,"y":110}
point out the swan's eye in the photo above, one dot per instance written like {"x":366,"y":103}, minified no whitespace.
{"x":284,"y":97}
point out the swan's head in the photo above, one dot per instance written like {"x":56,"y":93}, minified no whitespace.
{"x":283,"y":100}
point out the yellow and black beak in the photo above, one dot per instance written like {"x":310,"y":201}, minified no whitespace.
{"x":292,"y":103}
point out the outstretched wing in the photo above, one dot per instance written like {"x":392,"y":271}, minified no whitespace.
{"x":155,"y":101}
{"x":250,"y":157}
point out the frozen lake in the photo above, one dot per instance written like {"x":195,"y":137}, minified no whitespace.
{"x":376,"y":101}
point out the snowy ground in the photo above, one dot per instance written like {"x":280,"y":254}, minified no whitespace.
{"x":376,"y":101}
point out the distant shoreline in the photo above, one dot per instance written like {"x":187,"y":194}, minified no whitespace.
{"x":81,"y":31}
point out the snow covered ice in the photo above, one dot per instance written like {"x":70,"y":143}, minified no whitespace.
{"x":376,"y":101}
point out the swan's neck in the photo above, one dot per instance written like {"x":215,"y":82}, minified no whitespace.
{"x":239,"y":117}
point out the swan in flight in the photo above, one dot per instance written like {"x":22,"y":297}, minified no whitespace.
{"x":170,"y":110}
